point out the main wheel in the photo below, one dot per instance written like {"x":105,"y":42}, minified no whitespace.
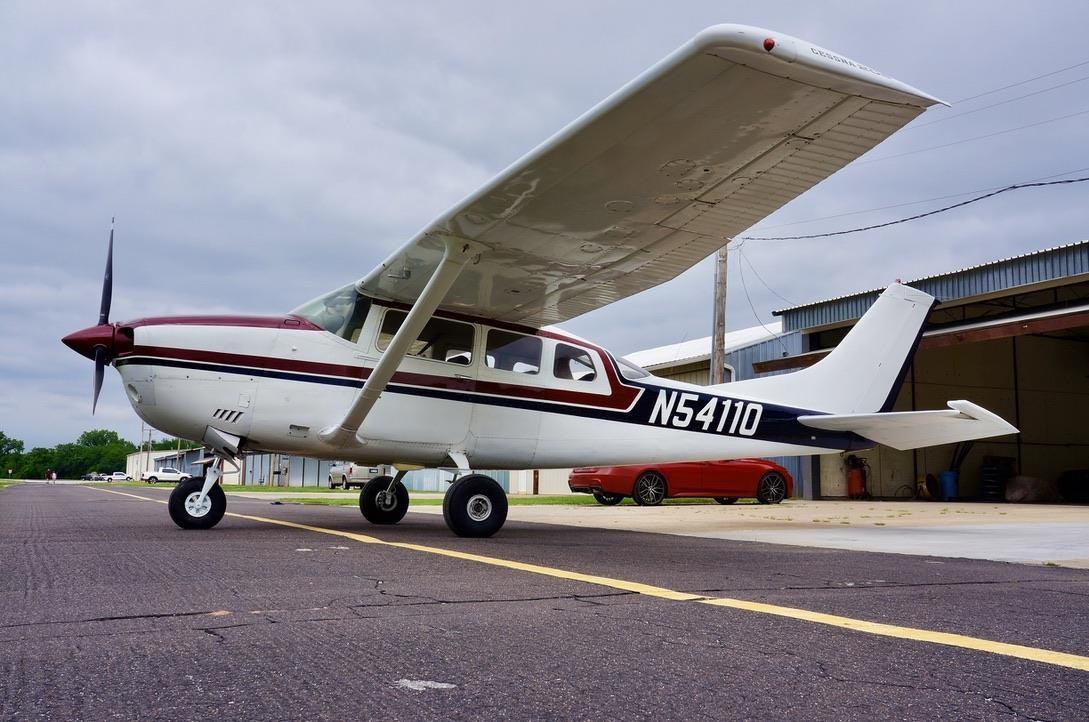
{"x":475,"y":506}
{"x":187,"y":513}
{"x":772,"y":488}
{"x":380,"y":504}
{"x":151,"y":480}
{"x":650,"y":489}
{"x":608,"y":499}
{"x":726,"y":499}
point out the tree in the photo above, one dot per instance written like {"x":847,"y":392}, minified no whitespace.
{"x":9,"y":445}
{"x":101,"y":437}
{"x":11,"y":452}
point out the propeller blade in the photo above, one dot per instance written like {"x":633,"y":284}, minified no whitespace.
{"x":107,"y":286}
{"x":101,"y":359}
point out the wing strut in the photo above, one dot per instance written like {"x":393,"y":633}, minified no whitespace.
{"x":458,"y":252}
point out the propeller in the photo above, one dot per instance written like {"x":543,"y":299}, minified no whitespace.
{"x":101,"y":342}
{"x":102,"y":356}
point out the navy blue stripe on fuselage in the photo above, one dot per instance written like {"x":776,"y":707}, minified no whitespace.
{"x":778,"y":424}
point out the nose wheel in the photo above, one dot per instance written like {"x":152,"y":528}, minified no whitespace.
{"x":475,"y":506}
{"x":190,"y":509}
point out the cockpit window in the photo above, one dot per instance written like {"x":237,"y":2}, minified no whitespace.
{"x":573,"y":364}
{"x":630,"y":371}
{"x":341,"y":312}
{"x":440,"y":340}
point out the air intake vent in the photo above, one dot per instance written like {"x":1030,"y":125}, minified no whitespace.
{"x":227,"y":415}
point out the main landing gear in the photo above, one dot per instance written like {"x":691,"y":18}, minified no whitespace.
{"x":474,"y":505}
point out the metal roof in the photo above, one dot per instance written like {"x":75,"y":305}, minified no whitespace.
{"x":1038,"y":266}
{"x":699,"y":349}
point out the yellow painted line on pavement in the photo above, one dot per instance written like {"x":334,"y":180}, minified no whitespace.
{"x":1035,"y":654}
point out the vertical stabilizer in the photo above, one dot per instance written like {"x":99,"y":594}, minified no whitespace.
{"x":864,"y":373}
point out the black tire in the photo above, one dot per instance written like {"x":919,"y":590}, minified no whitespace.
{"x":377,"y":506}
{"x":152,"y":479}
{"x":650,"y":489}
{"x":726,"y":499}
{"x":475,"y":506}
{"x":772,"y":488}
{"x":188,"y":517}
{"x":608,"y":499}
{"x":344,"y":483}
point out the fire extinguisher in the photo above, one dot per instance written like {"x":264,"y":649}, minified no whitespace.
{"x":858,"y":471}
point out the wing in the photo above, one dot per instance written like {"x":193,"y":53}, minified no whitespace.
{"x":712,"y":139}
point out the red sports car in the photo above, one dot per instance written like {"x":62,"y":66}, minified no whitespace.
{"x":724,"y":481}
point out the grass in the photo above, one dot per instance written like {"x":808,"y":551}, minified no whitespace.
{"x":4,"y":483}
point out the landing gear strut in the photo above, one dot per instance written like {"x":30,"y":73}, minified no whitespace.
{"x":475,"y":506}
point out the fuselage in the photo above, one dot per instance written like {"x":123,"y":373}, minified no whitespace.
{"x":505,"y":396}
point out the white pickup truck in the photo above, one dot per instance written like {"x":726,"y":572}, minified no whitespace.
{"x":346,"y":474}
{"x":167,"y":473}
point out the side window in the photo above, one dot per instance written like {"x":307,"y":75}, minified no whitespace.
{"x":573,"y":363}
{"x":440,"y":340}
{"x":513,"y":352}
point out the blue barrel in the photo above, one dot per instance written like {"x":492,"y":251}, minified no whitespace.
{"x":949,"y":484}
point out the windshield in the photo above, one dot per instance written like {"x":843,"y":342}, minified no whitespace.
{"x":341,"y":312}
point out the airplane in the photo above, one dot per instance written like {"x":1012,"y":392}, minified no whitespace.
{"x":446,"y":354}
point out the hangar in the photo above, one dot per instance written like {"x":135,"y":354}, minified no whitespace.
{"x":1011,"y":335}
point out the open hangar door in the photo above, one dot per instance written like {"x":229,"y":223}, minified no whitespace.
{"x":1023,"y":354}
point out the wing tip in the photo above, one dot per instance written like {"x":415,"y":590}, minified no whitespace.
{"x":761,"y":45}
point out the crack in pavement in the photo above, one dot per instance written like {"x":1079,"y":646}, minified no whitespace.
{"x":926,"y":688}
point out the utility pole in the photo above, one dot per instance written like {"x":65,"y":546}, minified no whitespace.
{"x":718,"y":337}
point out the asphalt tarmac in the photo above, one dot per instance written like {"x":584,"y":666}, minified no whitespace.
{"x":107,"y":610}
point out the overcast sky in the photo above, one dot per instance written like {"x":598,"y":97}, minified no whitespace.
{"x":257,"y":154}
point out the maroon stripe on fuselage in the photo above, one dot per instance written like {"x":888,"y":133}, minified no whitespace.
{"x":295,"y":323}
{"x":621,"y":398}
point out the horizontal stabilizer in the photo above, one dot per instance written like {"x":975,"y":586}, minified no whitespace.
{"x":963,"y":421}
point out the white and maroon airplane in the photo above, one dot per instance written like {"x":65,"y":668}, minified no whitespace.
{"x":443,"y":355}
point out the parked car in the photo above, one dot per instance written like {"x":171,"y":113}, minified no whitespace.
{"x":346,"y":474}
{"x":650,"y":484}
{"x":167,"y":473}
{"x":118,"y":476}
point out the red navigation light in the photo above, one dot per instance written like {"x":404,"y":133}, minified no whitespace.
{"x":769,"y":43}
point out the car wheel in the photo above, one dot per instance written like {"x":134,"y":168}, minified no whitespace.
{"x":188,"y":514}
{"x":772,"y":488}
{"x":344,"y":483}
{"x":650,"y":489}
{"x":726,"y":499}
{"x":152,"y":480}
{"x":608,"y":499}
{"x":382,"y":505}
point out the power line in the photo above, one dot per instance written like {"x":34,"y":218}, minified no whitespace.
{"x":914,"y":203}
{"x":945,"y":117}
{"x":915,"y":217}
{"x":745,"y":288}
{"x":753,"y":269}
{"x":1023,"y":82}
{"x":968,"y":140}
